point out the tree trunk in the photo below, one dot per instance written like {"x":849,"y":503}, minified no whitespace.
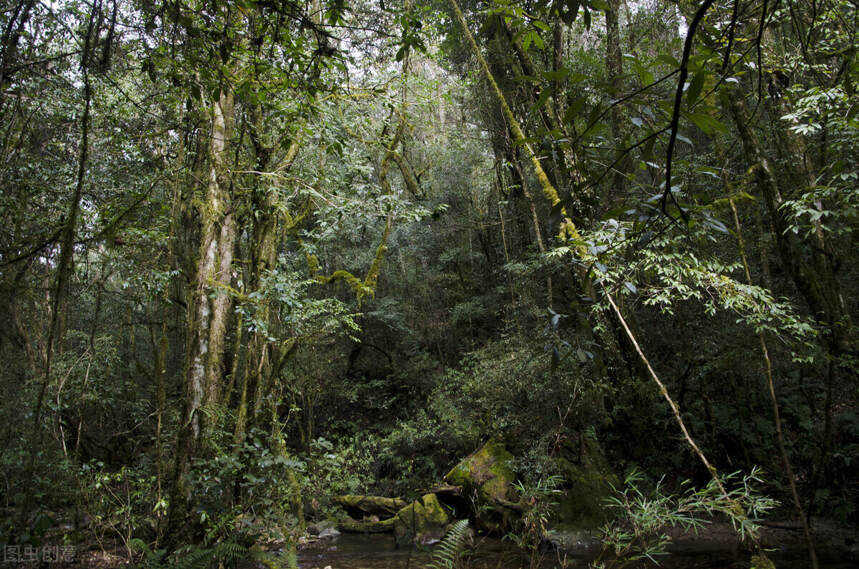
{"x":207,"y":318}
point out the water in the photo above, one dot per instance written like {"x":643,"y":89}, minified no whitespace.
{"x":350,"y":551}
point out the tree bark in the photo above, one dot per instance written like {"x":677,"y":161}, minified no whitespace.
{"x":207,"y":318}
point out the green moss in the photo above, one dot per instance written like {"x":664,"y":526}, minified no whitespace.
{"x":424,"y":520}
{"x":366,"y":526}
{"x":371,"y":504}
{"x":487,"y":472}
{"x":589,"y":479}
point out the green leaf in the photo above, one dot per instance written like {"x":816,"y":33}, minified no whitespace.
{"x":574,"y":109}
{"x":541,"y":101}
{"x":668,"y":60}
{"x":694,"y":90}
{"x":556,"y":75}
{"x":706,"y":123}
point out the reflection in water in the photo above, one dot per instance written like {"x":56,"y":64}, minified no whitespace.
{"x":351,"y":551}
{"x":379,"y":552}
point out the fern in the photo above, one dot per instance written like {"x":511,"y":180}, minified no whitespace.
{"x":447,"y":553}
{"x":193,"y":557}
{"x":150,"y":558}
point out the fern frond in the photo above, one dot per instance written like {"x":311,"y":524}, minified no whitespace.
{"x":230,"y":551}
{"x":195,"y":559}
{"x":447,"y":552}
{"x":257,"y":554}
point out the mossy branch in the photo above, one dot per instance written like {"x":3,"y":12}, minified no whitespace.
{"x":567,"y":230}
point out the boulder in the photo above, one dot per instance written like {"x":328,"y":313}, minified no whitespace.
{"x":329,"y":533}
{"x":357,"y":505}
{"x":572,"y":541}
{"x":321,"y":527}
{"x":423,"y":521}
{"x":588,"y":483}
{"x":487,"y":474}
{"x":366,"y":525}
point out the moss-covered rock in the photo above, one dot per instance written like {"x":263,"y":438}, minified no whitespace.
{"x":357,"y":505}
{"x":588,"y":479}
{"x":487,"y":470}
{"x":366,"y":526}
{"x":761,"y":561}
{"x":488,"y":475}
{"x":423,"y":521}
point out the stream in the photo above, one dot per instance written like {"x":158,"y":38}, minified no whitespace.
{"x":352,"y":551}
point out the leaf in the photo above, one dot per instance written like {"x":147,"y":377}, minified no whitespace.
{"x":544,"y":96}
{"x":630,"y":287}
{"x":682,"y":138}
{"x":573,"y":110}
{"x":592,"y":118}
{"x":668,"y":60}
{"x":567,"y":10}
{"x":636,"y":121}
{"x":706,"y":122}
{"x":556,"y":75}
{"x":694,"y":90}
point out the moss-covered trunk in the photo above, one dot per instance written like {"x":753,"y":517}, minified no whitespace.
{"x":207,"y":315}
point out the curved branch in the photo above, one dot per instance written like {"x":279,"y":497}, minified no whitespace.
{"x":678,"y":100}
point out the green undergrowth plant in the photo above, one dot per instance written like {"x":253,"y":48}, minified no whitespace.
{"x":540,"y":499}
{"x":448,"y":553}
{"x":224,"y":554}
{"x":643,"y":518}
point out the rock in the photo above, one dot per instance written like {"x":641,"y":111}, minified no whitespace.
{"x":572,"y":541}
{"x":357,"y":505}
{"x":319,"y":527}
{"x":588,"y":483}
{"x":487,"y":474}
{"x":366,"y":526}
{"x":761,"y":561}
{"x":329,"y":533}
{"x":423,"y":521}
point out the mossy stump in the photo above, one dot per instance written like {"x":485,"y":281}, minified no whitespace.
{"x":423,"y":521}
{"x":487,"y":474}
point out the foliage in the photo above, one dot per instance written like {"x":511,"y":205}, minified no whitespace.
{"x":195,"y":557}
{"x":540,"y":505}
{"x":256,"y":254}
{"x":447,"y":553}
{"x":639,"y":530}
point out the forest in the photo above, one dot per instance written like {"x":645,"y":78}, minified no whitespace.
{"x":567,"y":280}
